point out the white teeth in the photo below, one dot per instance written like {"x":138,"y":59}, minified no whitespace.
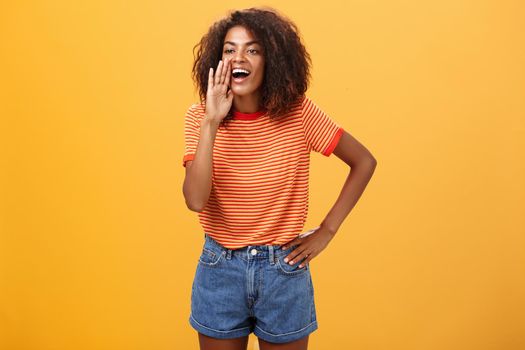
{"x":239,"y":70}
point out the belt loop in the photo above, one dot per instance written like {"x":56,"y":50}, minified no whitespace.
{"x":228,"y":253}
{"x":270,"y":250}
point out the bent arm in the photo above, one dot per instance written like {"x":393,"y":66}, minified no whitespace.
{"x":362,"y":165}
{"x":197,"y":182}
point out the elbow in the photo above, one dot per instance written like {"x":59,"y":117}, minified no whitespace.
{"x":196,"y":207}
{"x":372,"y":163}
{"x":370,"y":160}
{"x":367,"y":162}
{"x":192,"y":203}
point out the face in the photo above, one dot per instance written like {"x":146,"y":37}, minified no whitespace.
{"x":245,"y":52}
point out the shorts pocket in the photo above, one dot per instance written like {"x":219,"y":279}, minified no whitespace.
{"x":210,"y":258}
{"x":290,"y":270}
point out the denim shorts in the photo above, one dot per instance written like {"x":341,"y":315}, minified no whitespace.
{"x":251,"y":289}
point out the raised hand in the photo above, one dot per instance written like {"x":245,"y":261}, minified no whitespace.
{"x":219,"y":96}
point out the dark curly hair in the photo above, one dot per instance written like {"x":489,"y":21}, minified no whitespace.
{"x":287,"y":63}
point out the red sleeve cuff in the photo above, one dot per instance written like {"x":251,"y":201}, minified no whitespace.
{"x":334,"y":142}
{"x":186,"y":158}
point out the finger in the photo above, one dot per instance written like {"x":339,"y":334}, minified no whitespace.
{"x":218,"y":73}
{"x":224,"y":71}
{"x":299,"y":257}
{"x":210,"y":78}
{"x":295,"y":256}
{"x":298,"y":240}
{"x":291,"y":243}
{"x":228,"y":73}
{"x":306,"y":261}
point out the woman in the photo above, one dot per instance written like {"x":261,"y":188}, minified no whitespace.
{"x":247,"y":160}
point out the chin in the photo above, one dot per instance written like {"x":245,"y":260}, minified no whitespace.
{"x":242,"y":92}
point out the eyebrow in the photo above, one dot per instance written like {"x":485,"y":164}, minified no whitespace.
{"x":247,"y":43}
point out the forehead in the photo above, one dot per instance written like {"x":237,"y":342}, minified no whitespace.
{"x":239,"y":35}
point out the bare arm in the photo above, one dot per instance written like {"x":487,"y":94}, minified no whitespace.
{"x":362,"y":165}
{"x":197,"y":182}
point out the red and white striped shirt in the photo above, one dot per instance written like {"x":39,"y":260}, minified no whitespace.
{"x":260,"y":173}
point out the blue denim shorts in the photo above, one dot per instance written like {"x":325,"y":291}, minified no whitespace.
{"x":251,"y":289}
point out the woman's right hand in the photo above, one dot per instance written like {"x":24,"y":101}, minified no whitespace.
{"x":219,"y":96}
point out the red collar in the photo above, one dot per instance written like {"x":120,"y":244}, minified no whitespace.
{"x":248,"y":116}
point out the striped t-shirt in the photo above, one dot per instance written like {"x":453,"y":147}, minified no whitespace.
{"x":259,"y":192}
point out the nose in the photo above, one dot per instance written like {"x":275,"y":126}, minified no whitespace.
{"x":238,"y":57}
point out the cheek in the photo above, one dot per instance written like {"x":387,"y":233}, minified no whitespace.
{"x":259,"y":78}
{"x":260,"y":74}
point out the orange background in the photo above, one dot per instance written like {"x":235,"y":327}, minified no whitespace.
{"x":97,"y":247}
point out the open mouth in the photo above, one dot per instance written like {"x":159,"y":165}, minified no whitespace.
{"x":240,"y":75}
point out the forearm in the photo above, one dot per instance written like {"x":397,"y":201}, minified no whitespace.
{"x":352,"y":190}
{"x":197,"y":183}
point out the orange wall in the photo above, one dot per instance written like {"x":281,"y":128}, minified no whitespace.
{"x":97,"y":247}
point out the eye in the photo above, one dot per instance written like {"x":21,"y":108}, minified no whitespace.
{"x":227,"y":50}
{"x":254,"y":50}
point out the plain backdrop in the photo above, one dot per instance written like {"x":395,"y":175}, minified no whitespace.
{"x":98,"y":250}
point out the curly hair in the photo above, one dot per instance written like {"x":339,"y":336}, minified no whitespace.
{"x":287,"y":63}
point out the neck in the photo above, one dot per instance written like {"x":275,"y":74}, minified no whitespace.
{"x":246,"y":104}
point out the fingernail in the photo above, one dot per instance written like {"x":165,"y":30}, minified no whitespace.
{"x":291,"y":262}
{"x":301,"y":265}
{"x":285,"y":259}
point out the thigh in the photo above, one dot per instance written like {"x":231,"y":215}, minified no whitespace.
{"x":209,"y":343}
{"x":299,"y":344}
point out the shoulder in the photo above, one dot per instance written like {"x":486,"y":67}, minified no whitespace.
{"x":196,"y":111}
{"x":308,"y":107}
{"x":302,"y":100}
{"x":197,"y":107}
{"x":296,"y":108}
{"x":306,"y":103}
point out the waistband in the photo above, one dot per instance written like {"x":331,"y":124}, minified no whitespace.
{"x":252,"y":251}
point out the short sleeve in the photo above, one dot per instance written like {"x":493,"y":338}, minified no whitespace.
{"x":322,"y":133}
{"x":191,"y":133}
